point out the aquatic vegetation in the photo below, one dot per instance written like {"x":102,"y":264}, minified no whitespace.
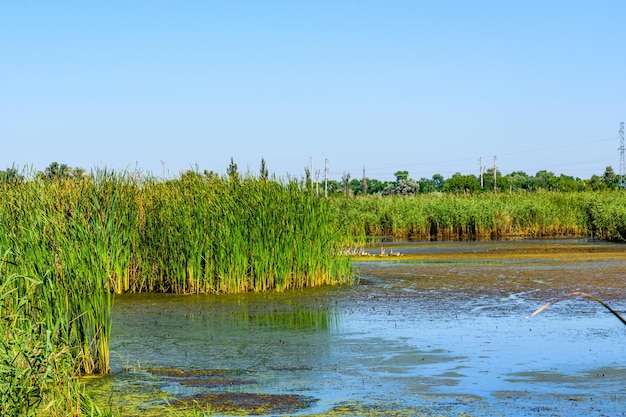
{"x":82,"y":240}
{"x":36,"y":361}
{"x":246,"y":403}
{"x":452,"y":216}
{"x":195,"y":234}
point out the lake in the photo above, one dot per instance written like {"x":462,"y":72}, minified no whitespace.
{"x":441,"y":330}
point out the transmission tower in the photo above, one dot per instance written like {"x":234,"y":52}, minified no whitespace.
{"x":622,"y":160}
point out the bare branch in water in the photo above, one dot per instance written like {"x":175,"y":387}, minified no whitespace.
{"x":584,"y":294}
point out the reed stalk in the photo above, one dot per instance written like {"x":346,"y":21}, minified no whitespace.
{"x":583,"y":294}
{"x":86,"y":239}
{"x":451,"y":216}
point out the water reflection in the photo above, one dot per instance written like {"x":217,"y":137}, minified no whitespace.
{"x":446,"y":333}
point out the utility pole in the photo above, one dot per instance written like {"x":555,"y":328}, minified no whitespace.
{"x":317,"y":183}
{"x":494,"y":174}
{"x":482,"y":182}
{"x":326,"y":178}
{"x":621,"y":149}
{"x":364,"y":182}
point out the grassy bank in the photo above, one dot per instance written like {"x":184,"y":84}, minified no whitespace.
{"x":450,"y":216}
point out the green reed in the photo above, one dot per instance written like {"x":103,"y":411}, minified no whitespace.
{"x":88,"y":238}
{"x":451,"y":216}
{"x":52,"y":238}
{"x":208,"y":235}
{"x":36,"y":362}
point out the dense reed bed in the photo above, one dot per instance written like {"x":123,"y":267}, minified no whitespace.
{"x":451,"y":216}
{"x":37,"y":368}
{"x":201,"y":235}
{"x":83,"y":239}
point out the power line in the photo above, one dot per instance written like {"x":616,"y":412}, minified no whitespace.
{"x":622,"y":163}
{"x":470,"y":161}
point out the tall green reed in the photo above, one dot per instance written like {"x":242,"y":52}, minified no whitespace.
{"x":487,"y":215}
{"x":36,"y":364}
{"x":213,"y":235}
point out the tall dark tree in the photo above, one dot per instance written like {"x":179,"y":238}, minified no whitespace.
{"x":232,"y":172}
{"x":609,"y":177}
{"x":263,"y":173}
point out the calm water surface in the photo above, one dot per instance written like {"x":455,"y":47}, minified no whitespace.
{"x":442,"y":330}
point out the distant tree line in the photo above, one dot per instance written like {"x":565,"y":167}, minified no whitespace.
{"x":518,"y":181}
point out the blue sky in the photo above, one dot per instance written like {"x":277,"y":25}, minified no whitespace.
{"x":427,"y":87}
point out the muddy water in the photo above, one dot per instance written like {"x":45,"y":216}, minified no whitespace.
{"x":441,"y":330}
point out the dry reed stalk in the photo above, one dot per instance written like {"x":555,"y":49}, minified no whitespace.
{"x":584,"y":294}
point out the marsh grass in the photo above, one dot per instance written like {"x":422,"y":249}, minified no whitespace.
{"x":36,"y":362}
{"x":85,"y":239}
{"x":489,"y":215}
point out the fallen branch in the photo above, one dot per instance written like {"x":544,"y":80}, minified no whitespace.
{"x":584,"y":294}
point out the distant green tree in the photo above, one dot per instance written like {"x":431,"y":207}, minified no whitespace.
{"x":519,"y":181}
{"x":609,"y":177}
{"x":439,"y":181}
{"x":401,"y":175}
{"x":567,"y":183}
{"x":231,"y":171}
{"x":56,"y":171}
{"x":263,"y":173}
{"x":545,"y":180}
{"x":375,"y":186}
{"x":356,"y":187}
{"x":77,"y":172}
{"x":402,"y":187}
{"x":427,"y":185}
{"x":211,"y":175}
{"x":10,"y":175}
{"x":459,"y":183}
{"x":431,"y":185}
{"x":333,"y":187}
{"x":191,"y":176}
{"x":488,"y":181}
{"x":596,"y":183}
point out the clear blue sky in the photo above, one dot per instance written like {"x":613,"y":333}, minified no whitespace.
{"x":423,"y":86}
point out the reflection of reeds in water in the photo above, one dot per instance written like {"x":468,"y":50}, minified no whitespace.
{"x":577,"y":293}
{"x":293,"y":318}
